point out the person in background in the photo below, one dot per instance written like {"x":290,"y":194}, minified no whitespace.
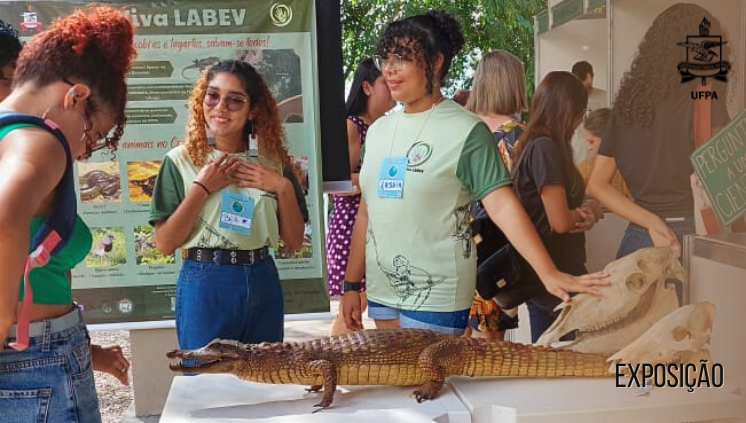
{"x":10,"y":48}
{"x":421,"y":171}
{"x":225,"y":205}
{"x":368,"y":100}
{"x":73,"y":77}
{"x":498,"y":97}
{"x":596,"y":99}
{"x":549,"y":186}
{"x":462,"y":97}
{"x":593,"y":128}
{"x":649,"y":138}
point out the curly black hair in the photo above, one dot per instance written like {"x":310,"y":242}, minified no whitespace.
{"x":10,"y":45}
{"x":653,"y":76}
{"x":423,"y":37}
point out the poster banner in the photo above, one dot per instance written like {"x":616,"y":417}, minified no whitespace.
{"x":124,"y":278}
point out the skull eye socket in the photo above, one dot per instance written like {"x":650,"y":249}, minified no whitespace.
{"x":636,"y":281}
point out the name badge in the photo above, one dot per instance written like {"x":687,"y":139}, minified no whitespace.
{"x":391,"y":177}
{"x":236,"y":212}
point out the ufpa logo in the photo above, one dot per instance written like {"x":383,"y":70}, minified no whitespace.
{"x":704,"y":58}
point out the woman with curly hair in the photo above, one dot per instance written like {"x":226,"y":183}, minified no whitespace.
{"x":225,"y":205}
{"x":10,"y":48}
{"x":650,"y":135}
{"x":69,"y":89}
{"x":422,"y":168}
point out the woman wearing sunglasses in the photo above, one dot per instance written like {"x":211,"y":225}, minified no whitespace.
{"x":224,"y":204}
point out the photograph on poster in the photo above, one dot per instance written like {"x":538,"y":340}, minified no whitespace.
{"x":108,"y":248}
{"x":281,"y":69}
{"x":305,"y":251}
{"x":99,"y":182}
{"x":141,"y":179}
{"x":145,"y":252}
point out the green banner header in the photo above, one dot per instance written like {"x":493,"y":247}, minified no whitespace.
{"x":176,"y":17}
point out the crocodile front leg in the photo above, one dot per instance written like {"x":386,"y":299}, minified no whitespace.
{"x":437,"y":362}
{"x":328,"y":373}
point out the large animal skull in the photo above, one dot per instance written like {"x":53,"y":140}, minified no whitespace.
{"x":637,"y":298}
{"x":679,"y":337}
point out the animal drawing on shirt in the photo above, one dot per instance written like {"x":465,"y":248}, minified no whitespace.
{"x":211,"y":238}
{"x":462,"y":229}
{"x":400,"y":278}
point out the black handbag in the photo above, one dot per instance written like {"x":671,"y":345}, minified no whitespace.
{"x":507,"y":277}
{"x":502,"y":273}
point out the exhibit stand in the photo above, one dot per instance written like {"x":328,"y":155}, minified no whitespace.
{"x":227,"y":399}
{"x":717,"y":273}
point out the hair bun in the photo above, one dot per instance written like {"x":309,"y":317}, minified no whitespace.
{"x":107,"y":28}
{"x":113,"y":34}
{"x":450,"y":28}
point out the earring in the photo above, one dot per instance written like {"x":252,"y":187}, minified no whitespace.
{"x":253,"y":143}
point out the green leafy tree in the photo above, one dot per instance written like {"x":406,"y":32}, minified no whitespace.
{"x":486,"y":24}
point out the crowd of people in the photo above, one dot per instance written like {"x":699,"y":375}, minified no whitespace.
{"x":400,"y":243}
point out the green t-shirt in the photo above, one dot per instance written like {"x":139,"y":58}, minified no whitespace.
{"x":420,"y":254}
{"x":175,"y":178}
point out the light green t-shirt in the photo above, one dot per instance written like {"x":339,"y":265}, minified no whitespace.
{"x":175,"y":178}
{"x":420,"y":254}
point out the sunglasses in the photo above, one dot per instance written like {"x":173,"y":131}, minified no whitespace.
{"x":233,"y":103}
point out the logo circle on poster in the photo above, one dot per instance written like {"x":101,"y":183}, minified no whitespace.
{"x":392,"y":171}
{"x":419,"y":153}
{"x":237,"y":206}
{"x":280,"y":14}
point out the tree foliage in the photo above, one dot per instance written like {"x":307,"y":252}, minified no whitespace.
{"x":486,"y":24}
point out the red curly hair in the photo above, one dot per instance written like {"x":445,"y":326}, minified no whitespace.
{"x":93,"y":46}
{"x":266,"y":121}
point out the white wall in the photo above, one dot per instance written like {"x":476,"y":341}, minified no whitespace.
{"x":584,"y":39}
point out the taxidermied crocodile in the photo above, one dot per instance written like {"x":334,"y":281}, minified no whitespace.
{"x":384,"y":357}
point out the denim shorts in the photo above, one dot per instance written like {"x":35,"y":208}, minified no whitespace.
{"x":449,"y":322}
{"x":242,"y":302}
{"x":52,"y":380}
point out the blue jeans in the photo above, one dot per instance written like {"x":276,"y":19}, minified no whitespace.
{"x":637,"y":237}
{"x":541,"y":312}
{"x":52,"y":380}
{"x":449,"y":322}
{"x":229,"y":301}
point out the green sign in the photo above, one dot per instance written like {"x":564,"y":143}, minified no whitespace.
{"x":721,"y":166}
{"x":151,"y":69}
{"x":124,"y":278}
{"x":542,"y":22}
{"x":566,"y":11}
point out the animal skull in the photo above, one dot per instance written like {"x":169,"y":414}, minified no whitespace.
{"x":637,"y":298}
{"x":678,"y":337}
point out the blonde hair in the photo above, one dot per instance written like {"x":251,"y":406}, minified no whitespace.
{"x":499,"y":85}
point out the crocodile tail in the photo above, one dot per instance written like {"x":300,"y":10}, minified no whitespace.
{"x":491,"y":358}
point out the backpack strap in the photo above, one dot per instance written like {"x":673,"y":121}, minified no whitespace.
{"x":57,"y":227}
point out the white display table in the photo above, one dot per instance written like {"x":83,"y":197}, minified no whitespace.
{"x":227,"y":399}
{"x":590,"y":400}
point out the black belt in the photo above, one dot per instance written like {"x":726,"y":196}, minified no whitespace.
{"x":220,"y":256}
